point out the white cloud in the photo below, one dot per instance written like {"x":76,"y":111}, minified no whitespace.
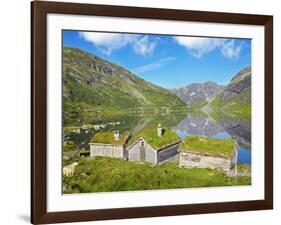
{"x":109,"y":42}
{"x":143,"y":46}
{"x":230,"y":50}
{"x":154,"y":65}
{"x":199,"y":46}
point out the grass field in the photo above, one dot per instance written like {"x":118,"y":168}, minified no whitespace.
{"x":103,"y":174}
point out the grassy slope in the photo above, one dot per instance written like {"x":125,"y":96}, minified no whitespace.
{"x":107,"y":174}
{"x":86,"y":85}
{"x":236,"y":106}
{"x":208,"y":146}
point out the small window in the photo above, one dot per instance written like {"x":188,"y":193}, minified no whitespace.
{"x":141,"y":143}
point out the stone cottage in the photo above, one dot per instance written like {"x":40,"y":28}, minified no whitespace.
{"x":204,"y":152}
{"x":154,"y":145}
{"x":109,"y":144}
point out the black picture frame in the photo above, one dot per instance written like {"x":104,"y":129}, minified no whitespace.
{"x":40,"y":9}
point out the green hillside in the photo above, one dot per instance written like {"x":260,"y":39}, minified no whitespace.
{"x":90,"y":82}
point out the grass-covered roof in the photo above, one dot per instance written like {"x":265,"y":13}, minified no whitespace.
{"x":108,"y":138}
{"x":208,"y":146}
{"x":149,"y":133}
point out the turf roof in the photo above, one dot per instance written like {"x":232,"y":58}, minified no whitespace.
{"x":108,"y":138}
{"x":149,"y":133}
{"x":208,"y":146}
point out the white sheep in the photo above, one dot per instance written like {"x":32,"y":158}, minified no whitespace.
{"x":69,"y":169}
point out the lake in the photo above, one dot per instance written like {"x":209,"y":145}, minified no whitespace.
{"x":183,"y":123}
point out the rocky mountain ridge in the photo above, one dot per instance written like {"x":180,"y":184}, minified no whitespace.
{"x":236,"y":97}
{"x":196,"y":92}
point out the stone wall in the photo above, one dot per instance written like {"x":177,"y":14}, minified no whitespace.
{"x":113,"y":151}
{"x":188,"y":159}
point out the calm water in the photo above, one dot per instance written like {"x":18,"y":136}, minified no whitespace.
{"x":182,"y":123}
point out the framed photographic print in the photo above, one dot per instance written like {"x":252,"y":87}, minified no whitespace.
{"x":143,"y":112}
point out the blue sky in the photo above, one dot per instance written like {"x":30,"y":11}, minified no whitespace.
{"x":168,"y":61}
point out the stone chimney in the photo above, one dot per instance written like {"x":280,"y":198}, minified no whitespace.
{"x":159,"y":130}
{"x":117,"y":135}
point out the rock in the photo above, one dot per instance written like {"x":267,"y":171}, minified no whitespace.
{"x":236,"y":88}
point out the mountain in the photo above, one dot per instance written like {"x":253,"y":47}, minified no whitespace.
{"x":236,"y":97}
{"x":198,"y":94}
{"x":90,"y":82}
